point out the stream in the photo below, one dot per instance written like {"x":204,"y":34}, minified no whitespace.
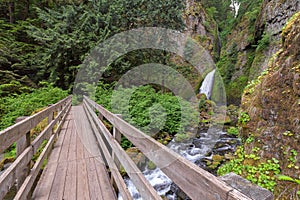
{"x":197,"y":150}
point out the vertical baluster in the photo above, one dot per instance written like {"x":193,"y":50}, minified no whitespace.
{"x":21,"y":145}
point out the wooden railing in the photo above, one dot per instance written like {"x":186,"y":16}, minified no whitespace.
{"x":194,"y":181}
{"x":19,"y":173}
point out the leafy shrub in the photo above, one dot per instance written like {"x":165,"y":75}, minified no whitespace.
{"x":147,"y":109}
{"x":244,"y":118}
{"x":25,"y":104}
{"x":233,"y":131}
{"x":250,"y":167}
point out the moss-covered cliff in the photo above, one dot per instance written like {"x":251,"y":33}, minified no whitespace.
{"x":202,"y":27}
{"x":251,"y":42}
{"x":272,"y":102}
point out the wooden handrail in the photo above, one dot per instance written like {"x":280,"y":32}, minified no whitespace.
{"x":16,"y":132}
{"x":196,"y":182}
{"x":147,"y":191}
{"x":11,"y":134}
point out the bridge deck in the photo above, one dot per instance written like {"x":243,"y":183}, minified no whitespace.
{"x":75,"y":169}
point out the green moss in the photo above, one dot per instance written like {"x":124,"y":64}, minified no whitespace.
{"x":181,"y":137}
{"x":151,"y":165}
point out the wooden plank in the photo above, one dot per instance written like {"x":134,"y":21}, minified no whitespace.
{"x":82,"y":181}
{"x":62,"y":122}
{"x":73,"y":144}
{"x":117,"y":135}
{"x":42,"y":191}
{"x":63,"y":157}
{"x":94,"y":186}
{"x":194,"y":179}
{"x":71,"y":181}
{"x":13,"y":133}
{"x":104,"y":182}
{"x":85,"y":133}
{"x":58,"y":186}
{"x":140,"y":182}
{"x":57,"y":189}
{"x":80,"y":149}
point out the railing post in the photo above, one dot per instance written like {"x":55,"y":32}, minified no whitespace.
{"x":117,"y":135}
{"x":21,"y":145}
{"x":50,"y":118}
{"x":100,"y":116}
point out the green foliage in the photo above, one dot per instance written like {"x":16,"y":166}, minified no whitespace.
{"x":13,"y":88}
{"x":227,"y":63}
{"x":264,"y":42}
{"x":11,"y":152}
{"x":220,"y":10}
{"x":24,"y":104}
{"x":233,"y":131}
{"x":149,"y":13}
{"x":69,"y":32}
{"x":244,"y":118}
{"x":15,"y":57}
{"x":148,"y":109}
{"x":151,"y":165}
{"x":254,"y":170}
{"x":125,"y":143}
{"x":235,"y":88}
{"x":281,"y":177}
{"x":288,"y":178}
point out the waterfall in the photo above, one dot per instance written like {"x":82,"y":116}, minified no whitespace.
{"x":207,"y":85}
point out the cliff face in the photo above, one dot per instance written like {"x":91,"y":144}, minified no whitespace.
{"x":273,"y":104}
{"x":201,"y":27}
{"x":253,"y":41}
{"x":273,"y":16}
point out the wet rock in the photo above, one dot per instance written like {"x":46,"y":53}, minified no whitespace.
{"x":138,"y":158}
{"x":179,"y":193}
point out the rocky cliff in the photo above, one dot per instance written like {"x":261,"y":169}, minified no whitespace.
{"x":202,"y":27}
{"x":254,"y":39}
{"x":273,"y":16}
{"x":271,"y":107}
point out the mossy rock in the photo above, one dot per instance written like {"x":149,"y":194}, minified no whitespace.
{"x":5,"y":161}
{"x":181,"y":137}
{"x":151,"y":165}
{"x":217,"y":158}
{"x":137,"y":157}
{"x":216,"y":161}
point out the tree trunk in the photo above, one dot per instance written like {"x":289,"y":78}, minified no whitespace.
{"x":26,"y":12}
{"x":11,"y":8}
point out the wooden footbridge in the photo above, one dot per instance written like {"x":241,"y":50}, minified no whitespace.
{"x":79,"y":158}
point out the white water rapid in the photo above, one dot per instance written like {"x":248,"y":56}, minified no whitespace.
{"x":207,"y":85}
{"x":161,"y":183}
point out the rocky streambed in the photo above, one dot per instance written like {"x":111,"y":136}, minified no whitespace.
{"x":205,"y":150}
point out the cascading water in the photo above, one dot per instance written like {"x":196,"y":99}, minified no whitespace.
{"x":207,"y":85}
{"x":194,"y":150}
